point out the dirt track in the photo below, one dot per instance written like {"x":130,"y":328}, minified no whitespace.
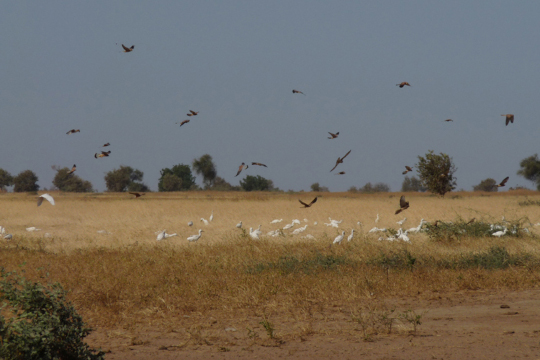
{"x":468,"y":325}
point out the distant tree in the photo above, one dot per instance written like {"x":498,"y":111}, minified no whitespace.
{"x":353,"y":189}
{"x":26,"y":181}
{"x":437,"y":173}
{"x":412,"y":184}
{"x":178,"y":178}
{"x":205,"y":166}
{"x":70,"y":182}
{"x":125,"y":178}
{"x":486,"y":185}
{"x":378,"y":187}
{"x":315,"y":187}
{"x":530,"y":169}
{"x":220,"y":184}
{"x":255,"y":183}
{"x":5,"y":179}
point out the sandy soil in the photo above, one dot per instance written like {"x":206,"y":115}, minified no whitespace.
{"x":468,"y":325}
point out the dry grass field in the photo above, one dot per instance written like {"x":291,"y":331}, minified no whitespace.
{"x":269,"y":292}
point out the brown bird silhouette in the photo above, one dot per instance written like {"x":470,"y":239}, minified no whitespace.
{"x":126,"y":49}
{"x":73,"y":131}
{"x":137,"y":194}
{"x":471,"y":221}
{"x":240,"y":168}
{"x":333,"y":136}
{"x":183,"y":122}
{"x":192,"y":113}
{"x":340,"y":160}
{"x":448,"y":120}
{"x":403,"y":84}
{"x":107,"y":144}
{"x":103,"y":154}
{"x":403,"y":205}
{"x":298,"y":92}
{"x":509,"y":118}
{"x":340,"y":173}
{"x":308,"y":205}
{"x":72,"y":169}
{"x":502,"y":183}
{"x":259,"y":164}
{"x":408,"y":169}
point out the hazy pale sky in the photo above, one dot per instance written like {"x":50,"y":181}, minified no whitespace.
{"x":62,"y":67}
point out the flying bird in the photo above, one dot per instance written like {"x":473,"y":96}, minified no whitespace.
{"x":183,"y":122}
{"x":448,"y":120}
{"x":137,"y":194}
{"x":471,"y":221}
{"x":73,"y":131}
{"x":502,"y":183}
{"x":341,"y":173}
{"x":298,"y":92}
{"x":308,"y":205}
{"x":72,"y":169}
{"x":259,"y":164}
{"x":403,"y":84}
{"x":403,"y":205}
{"x":103,"y":154}
{"x":107,"y":144}
{"x":340,"y":160}
{"x":408,"y":169}
{"x":333,"y":136}
{"x":509,"y":118}
{"x":240,"y":168}
{"x":47,"y":197}
{"x":192,"y":113}
{"x":126,"y":49}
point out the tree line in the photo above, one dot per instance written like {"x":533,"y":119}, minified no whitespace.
{"x":435,"y":174}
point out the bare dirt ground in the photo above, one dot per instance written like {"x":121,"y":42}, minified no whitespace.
{"x":467,"y":325}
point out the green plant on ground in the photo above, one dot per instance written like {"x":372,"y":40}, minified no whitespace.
{"x":268,"y":326}
{"x":411,"y":317}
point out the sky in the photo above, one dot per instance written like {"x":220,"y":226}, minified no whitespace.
{"x":237,"y":62}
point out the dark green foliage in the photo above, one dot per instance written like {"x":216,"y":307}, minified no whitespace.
{"x":395,"y":260}
{"x":486,"y":185}
{"x":412,"y":184}
{"x":378,"y":187}
{"x":205,"y":166}
{"x":26,"y":181}
{"x":41,"y":324}
{"x":530,"y":169}
{"x":221,"y":185}
{"x":315,"y":187}
{"x":70,"y":182}
{"x":454,"y":231}
{"x":178,"y":178}
{"x":437,"y":173}
{"x":5,"y":179}
{"x":255,"y":183}
{"x":494,"y":258}
{"x":125,"y":178}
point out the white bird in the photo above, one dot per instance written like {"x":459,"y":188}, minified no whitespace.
{"x":253,"y":234}
{"x":161,"y":235}
{"x":288,"y":226}
{"x":103,"y":232}
{"x":205,"y":221}
{"x":305,"y":220}
{"x":48,"y":197}
{"x":296,"y":221}
{"x":315,"y":223}
{"x":276,"y":221}
{"x":351,"y":236}
{"x":418,"y":228}
{"x":377,"y":219}
{"x":375,"y":229}
{"x":308,"y":236}
{"x":190,"y":223}
{"x":211,"y":216}
{"x":403,"y":236}
{"x":2,"y":230}
{"x":391,"y":238}
{"x":335,"y":221}
{"x":33,"y":228}
{"x":239,"y":225}
{"x":339,"y":238}
{"x":170,"y":235}
{"x":401,"y":221}
{"x":359,"y":223}
{"x":8,"y":237}
{"x":500,"y":233}
{"x":258,"y":231}
{"x":195,"y":237}
{"x":299,"y":230}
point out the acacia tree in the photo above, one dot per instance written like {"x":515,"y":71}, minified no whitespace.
{"x":315,"y":187}
{"x":378,"y":187}
{"x":486,"y":185}
{"x":125,"y":178}
{"x":436,"y":172}
{"x":530,"y":169}
{"x":205,"y":166}
{"x":70,"y":182}
{"x":5,"y":179}
{"x":256,"y":183}
{"x":26,"y":181}
{"x":178,"y":178}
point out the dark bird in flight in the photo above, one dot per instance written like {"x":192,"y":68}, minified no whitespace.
{"x":107,"y":144}
{"x":192,"y":113}
{"x":408,"y":169}
{"x":471,"y":221}
{"x":509,"y":118}
{"x":240,"y":168}
{"x":126,"y":49}
{"x":503,"y":183}
{"x":183,"y":122}
{"x":298,"y":92}
{"x":341,"y":173}
{"x":308,"y":205}
{"x":72,"y":169}
{"x":137,"y":194}
{"x":403,"y":84}
{"x":403,"y":205}
{"x":340,"y":160}
{"x":259,"y":164}
{"x":447,"y":120}
{"x":333,"y":136}
{"x":73,"y":131}
{"x":103,"y":154}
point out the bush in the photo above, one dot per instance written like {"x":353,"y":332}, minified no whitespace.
{"x":41,"y":323}
{"x":486,"y":185}
{"x":437,"y":173}
{"x":70,"y":182}
{"x":5,"y":179}
{"x":26,"y":181}
{"x":178,"y":178}
{"x":255,"y":183}
{"x":125,"y":178}
{"x":378,"y":187}
{"x":315,"y":187}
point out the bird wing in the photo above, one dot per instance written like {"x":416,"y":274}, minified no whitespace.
{"x":136,"y":194}
{"x":126,"y":48}
{"x":303,"y":203}
{"x":239,"y":170}
{"x":193,"y":112}
{"x":107,"y":144}
{"x":507,"y":120}
{"x":70,"y":131}
{"x":402,"y":202}
{"x":408,"y":168}
{"x":333,"y":135}
{"x":184,"y":122}
{"x":404,"y":172}
{"x":398,"y":211}
{"x":313,"y":201}
{"x":337,"y":163}
{"x":346,"y":155}
{"x":48,"y":197}
{"x":504,"y":181}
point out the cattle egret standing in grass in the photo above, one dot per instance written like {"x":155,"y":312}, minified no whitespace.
{"x":161,"y":235}
{"x":33,"y":228}
{"x":8,"y":237}
{"x":276,"y":221}
{"x":253,"y":234}
{"x":351,"y":236}
{"x":47,"y":197}
{"x":296,"y":221}
{"x":211,"y":216}
{"x":377,"y":219}
{"x":205,"y":221}
{"x":401,"y":221}
{"x":299,"y":230}
{"x":288,"y":226}
{"x":170,"y":235}
{"x":190,"y":223}
{"x":2,"y":230}
{"x":195,"y":237}
{"x":239,"y":225}
{"x":339,"y":238}
{"x":500,"y":233}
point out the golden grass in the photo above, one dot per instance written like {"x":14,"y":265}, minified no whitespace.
{"x":129,"y":279}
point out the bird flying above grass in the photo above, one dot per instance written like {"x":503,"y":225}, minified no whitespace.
{"x":403,"y":84}
{"x":502,"y":183}
{"x":107,"y":144}
{"x":126,"y":49}
{"x":403,"y":205}
{"x":103,"y":154}
{"x":183,"y":122}
{"x":73,"y":131}
{"x":333,"y":136}
{"x":258,"y":164}
{"x":240,"y":168}
{"x":448,"y":120}
{"x":340,"y":160}
{"x":509,"y":118}
{"x":47,"y":197}
{"x":72,"y":169}
{"x":408,"y":169}
{"x":298,"y":92}
{"x":137,"y":194}
{"x":192,"y":113}
{"x":308,"y":205}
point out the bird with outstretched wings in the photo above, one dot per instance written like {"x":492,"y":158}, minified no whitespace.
{"x":340,"y":160}
{"x":308,"y":205}
{"x":403,"y":205}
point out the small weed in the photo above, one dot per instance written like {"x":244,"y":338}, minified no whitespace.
{"x":252,"y":334}
{"x":268,"y":326}
{"x":529,"y":202}
{"x":411,"y":317}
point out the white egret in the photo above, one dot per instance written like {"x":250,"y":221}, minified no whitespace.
{"x":401,"y":221}
{"x":377,"y":219}
{"x":315,"y":223}
{"x":276,"y":221}
{"x":190,"y":223}
{"x":299,"y":230}
{"x":211,"y":216}
{"x":161,"y":235}
{"x":418,"y":228}
{"x":205,"y":221}
{"x":8,"y":237}
{"x":2,"y":230}
{"x":288,"y":226}
{"x":253,"y":234}
{"x":296,"y":221}
{"x":305,"y":220}
{"x":33,"y":228}
{"x":308,"y":236}
{"x":239,"y":225}
{"x":258,"y":231}
{"x":195,"y":237}
{"x":103,"y":232}
{"x":500,"y":233}
{"x":339,"y":238}
{"x":47,"y":197}
{"x":170,"y":235}
{"x":350,"y":236}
